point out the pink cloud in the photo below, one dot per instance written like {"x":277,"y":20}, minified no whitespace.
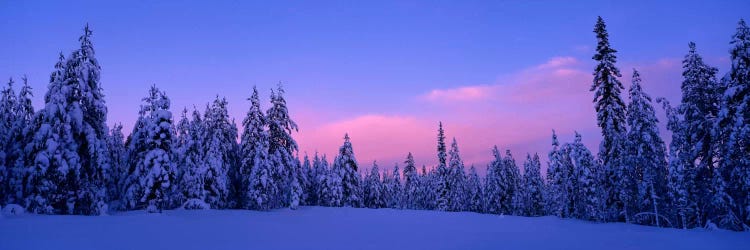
{"x":469,"y":93}
{"x":516,"y":112}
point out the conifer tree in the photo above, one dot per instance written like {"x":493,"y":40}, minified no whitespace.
{"x":373,"y":190}
{"x":533,"y":186}
{"x":734,"y":122}
{"x":346,"y":169}
{"x":475,"y":195}
{"x":149,"y":179}
{"x":411,"y":183}
{"x":443,"y":189}
{"x":255,"y":171}
{"x":456,"y":180}
{"x":611,"y":119}
{"x":282,"y":147}
{"x":646,"y":155}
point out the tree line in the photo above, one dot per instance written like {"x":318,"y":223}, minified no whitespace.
{"x":64,"y":159}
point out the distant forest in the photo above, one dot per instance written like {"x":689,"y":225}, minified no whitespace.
{"x":65,"y":159}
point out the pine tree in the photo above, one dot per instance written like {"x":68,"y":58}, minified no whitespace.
{"x":75,"y":111}
{"x":150,"y":178}
{"x":533,"y":197}
{"x":255,"y":171}
{"x":19,"y":137}
{"x":193,"y":168}
{"x":395,"y":189}
{"x":7,"y":119}
{"x":443,"y":188}
{"x":118,"y":153}
{"x":282,"y":146}
{"x":513,"y":177}
{"x":699,"y":110}
{"x":558,"y":180}
{"x":646,"y":155}
{"x":734,"y":122}
{"x":680,"y":181}
{"x":373,"y":190}
{"x":411,"y":183}
{"x":346,"y":168}
{"x":221,"y":156}
{"x":456,"y":180}
{"x":497,"y":186}
{"x":52,"y":154}
{"x":475,"y":195}
{"x":311,"y":190}
{"x":584,"y":178}
{"x":721,"y":205}
{"x":611,"y":119}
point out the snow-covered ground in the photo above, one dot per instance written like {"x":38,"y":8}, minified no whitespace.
{"x":343,"y":228}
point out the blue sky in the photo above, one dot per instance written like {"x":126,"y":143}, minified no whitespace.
{"x":370,"y":67}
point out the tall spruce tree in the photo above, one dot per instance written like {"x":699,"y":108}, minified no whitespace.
{"x":19,"y":137}
{"x":456,"y":180}
{"x":443,"y":188}
{"x":734,"y":122}
{"x":646,"y":155}
{"x":76,"y":112}
{"x":255,"y":171}
{"x":281,"y":147}
{"x":221,"y":156}
{"x":610,"y":111}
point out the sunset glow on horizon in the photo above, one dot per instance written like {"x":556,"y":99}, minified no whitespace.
{"x":377,"y":72}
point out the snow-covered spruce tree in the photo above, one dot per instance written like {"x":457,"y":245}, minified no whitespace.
{"x":52,"y":153}
{"x":734,"y":122}
{"x":345,"y":166}
{"x":681,"y":202}
{"x":395,"y":189}
{"x":457,"y":198}
{"x":282,"y":147}
{"x":442,"y":186}
{"x":720,"y":212}
{"x":76,"y":112}
{"x":331,"y":186}
{"x":411,"y":183}
{"x":192,"y":167}
{"x":373,"y":189}
{"x":475,"y":200}
{"x":150,"y":178}
{"x":699,"y":110}
{"x":296,"y":191}
{"x":497,"y":190}
{"x":311,"y":187}
{"x":558,"y":180}
{"x":221,"y":155}
{"x":584,"y":172}
{"x":7,"y":119}
{"x":610,"y":111}
{"x":513,"y":177}
{"x":19,"y":137}
{"x":118,"y":173}
{"x":425,"y":190}
{"x":318,"y":179}
{"x":646,"y":155}
{"x":258,"y":186}
{"x":533,"y":187}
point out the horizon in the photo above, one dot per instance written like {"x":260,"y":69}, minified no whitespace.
{"x":486,"y":88}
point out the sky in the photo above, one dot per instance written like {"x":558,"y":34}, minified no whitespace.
{"x":499,"y":73}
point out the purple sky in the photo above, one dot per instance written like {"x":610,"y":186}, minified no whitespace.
{"x":496,"y":73}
